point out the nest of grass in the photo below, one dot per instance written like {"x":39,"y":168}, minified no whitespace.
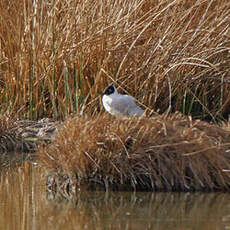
{"x":162,"y":153}
{"x":24,"y":135}
{"x":10,"y":141}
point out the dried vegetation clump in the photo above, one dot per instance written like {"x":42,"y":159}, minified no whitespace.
{"x":162,"y":153}
{"x":24,"y":135}
{"x":9,"y":140}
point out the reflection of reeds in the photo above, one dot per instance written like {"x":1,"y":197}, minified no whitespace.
{"x":169,"y":153}
{"x":57,"y":56}
{"x":24,"y":206}
{"x":18,"y":187}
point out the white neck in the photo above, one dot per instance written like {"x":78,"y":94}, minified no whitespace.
{"x":115,"y":91}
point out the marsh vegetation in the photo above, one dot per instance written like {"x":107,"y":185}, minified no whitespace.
{"x":162,"y":153}
{"x":57,"y":57}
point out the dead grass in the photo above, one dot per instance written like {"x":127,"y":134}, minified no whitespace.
{"x":161,"y":153}
{"x":57,"y":56}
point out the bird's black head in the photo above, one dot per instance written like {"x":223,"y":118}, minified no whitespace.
{"x":109,"y":90}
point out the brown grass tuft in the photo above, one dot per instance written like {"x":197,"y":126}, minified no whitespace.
{"x":161,"y":153}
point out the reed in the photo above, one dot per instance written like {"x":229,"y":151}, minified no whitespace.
{"x":162,"y":153}
{"x":170,"y":55}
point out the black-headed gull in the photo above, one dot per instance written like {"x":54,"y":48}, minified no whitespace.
{"x":120,"y":105}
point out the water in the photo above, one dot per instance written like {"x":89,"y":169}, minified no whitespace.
{"x":25,"y":204}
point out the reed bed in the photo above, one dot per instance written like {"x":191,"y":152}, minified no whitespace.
{"x":57,"y":56}
{"x":161,"y":153}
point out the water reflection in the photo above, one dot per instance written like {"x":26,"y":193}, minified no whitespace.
{"x":24,"y":204}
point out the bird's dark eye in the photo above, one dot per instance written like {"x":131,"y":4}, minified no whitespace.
{"x":109,"y":90}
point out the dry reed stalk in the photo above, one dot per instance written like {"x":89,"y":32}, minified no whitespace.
{"x":159,"y":154}
{"x":168,"y":54}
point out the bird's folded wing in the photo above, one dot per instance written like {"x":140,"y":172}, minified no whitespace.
{"x":124,"y":104}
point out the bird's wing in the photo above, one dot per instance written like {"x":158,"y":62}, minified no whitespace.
{"x":125,"y":104}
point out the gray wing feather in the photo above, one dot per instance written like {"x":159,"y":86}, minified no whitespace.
{"x":127,"y":106}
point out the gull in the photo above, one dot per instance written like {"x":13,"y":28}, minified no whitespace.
{"x":120,"y":105}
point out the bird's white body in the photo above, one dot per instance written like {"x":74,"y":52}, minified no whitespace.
{"x":121,"y":105}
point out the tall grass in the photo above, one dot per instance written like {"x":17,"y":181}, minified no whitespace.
{"x":168,"y":54}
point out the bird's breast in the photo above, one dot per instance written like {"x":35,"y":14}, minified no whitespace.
{"x":107,"y":101}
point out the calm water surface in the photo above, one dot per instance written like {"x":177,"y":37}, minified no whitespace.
{"x":25,"y":204}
